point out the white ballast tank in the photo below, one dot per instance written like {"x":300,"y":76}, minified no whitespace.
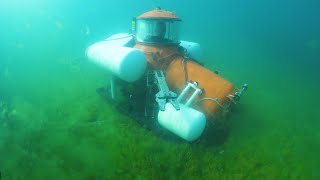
{"x":128,"y":64}
{"x":187,"y":123}
{"x":193,"y":49}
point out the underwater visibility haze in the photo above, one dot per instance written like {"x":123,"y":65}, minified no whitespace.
{"x":53,"y":123}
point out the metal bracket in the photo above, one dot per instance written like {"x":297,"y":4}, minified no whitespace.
{"x":164,"y":95}
{"x":237,"y":95}
{"x":197,"y":91}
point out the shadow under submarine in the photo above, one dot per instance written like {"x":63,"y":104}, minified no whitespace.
{"x":155,"y":75}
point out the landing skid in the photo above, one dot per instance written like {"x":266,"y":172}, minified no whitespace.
{"x":138,"y":105}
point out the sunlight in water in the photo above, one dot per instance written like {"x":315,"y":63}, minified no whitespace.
{"x":12,"y":6}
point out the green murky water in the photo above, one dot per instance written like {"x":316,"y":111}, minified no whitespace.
{"x":54,"y":125}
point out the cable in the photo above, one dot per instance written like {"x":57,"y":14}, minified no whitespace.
{"x":212,"y":99}
{"x":119,"y":38}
